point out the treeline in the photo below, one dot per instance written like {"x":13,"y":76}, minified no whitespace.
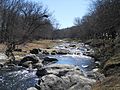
{"x":22,"y":21}
{"x":102,"y":22}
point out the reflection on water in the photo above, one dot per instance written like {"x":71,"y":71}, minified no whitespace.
{"x":17,"y":80}
{"x":76,"y":55}
{"x":84,"y":62}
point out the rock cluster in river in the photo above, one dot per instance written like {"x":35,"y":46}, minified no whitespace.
{"x":62,"y":77}
{"x":31,"y":60}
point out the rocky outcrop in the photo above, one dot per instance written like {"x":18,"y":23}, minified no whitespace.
{"x":54,"y":52}
{"x":49,"y":60}
{"x":62,"y":77}
{"x":3,"y":59}
{"x":35,"y":51}
{"x":112,"y":69}
{"x":45,"y":52}
{"x":63,"y":51}
{"x":30,"y":59}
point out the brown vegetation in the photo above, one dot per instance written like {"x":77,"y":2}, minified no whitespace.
{"x":102,"y":22}
{"x":110,"y":83}
{"x":22,"y":21}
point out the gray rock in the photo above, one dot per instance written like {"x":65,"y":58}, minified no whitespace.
{"x":87,"y":87}
{"x":45,"y":52}
{"x":49,"y":60}
{"x":52,"y":82}
{"x":35,"y":51}
{"x":63,"y":77}
{"x":54,"y":52}
{"x":38,"y":65}
{"x":63,"y":51}
{"x":32,"y":88}
{"x":27,"y":64}
{"x":30,"y":59}
{"x":3,"y":59}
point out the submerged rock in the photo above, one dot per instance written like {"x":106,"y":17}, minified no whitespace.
{"x":62,"y":77}
{"x":49,"y":60}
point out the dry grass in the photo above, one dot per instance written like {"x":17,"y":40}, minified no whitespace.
{"x":2,"y":47}
{"x":110,"y":83}
{"x":44,"y":44}
{"x":113,"y":60}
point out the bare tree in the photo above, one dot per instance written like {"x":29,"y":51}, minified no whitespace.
{"x":19,"y":20}
{"x":77,"y":21}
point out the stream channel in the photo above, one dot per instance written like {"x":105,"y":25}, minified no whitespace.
{"x":19,"y":78}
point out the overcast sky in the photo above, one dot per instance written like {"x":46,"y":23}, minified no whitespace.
{"x":66,"y":10}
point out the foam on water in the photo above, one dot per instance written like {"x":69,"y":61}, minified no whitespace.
{"x":3,"y":56}
{"x":15,"y":80}
{"x":78,"y":56}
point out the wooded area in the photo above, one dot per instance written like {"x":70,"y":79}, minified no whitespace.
{"x":102,"y":22}
{"x":22,"y":21}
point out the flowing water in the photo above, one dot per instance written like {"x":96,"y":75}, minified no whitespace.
{"x":84,"y":63}
{"x":76,"y":56}
{"x":18,"y":78}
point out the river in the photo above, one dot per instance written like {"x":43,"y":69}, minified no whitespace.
{"x":18,"y":78}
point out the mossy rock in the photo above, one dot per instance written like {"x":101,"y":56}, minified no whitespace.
{"x":112,"y":66}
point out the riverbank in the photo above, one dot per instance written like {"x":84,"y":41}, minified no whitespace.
{"x":70,"y":76}
{"x":107,"y":52}
{"x":67,"y":77}
{"x":24,"y":49}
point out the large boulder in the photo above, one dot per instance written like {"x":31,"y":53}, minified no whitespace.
{"x":49,"y":60}
{"x":62,"y":77}
{"x":30,"y":59}
{"x":35,"y":51}
{"x":63,"y":51}
{"x":3,"y":59}
{"x":45,"y":52}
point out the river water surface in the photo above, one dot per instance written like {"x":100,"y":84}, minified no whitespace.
{"x":20,"y":79}
{"x":17,"y":80}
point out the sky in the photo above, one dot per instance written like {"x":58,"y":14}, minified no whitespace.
{"x":65,"y":11}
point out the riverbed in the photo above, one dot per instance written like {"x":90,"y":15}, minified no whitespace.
{"x":21,"y":78}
